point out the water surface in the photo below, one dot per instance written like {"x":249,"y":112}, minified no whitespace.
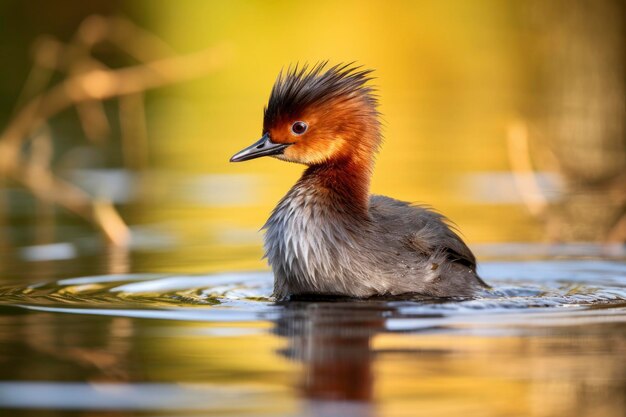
{"x":548,"y":340}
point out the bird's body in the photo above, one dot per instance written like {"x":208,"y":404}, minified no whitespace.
{"x":328,"y":235}
{"x":318,"y":246}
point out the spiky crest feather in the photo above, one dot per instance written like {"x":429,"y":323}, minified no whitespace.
{"x":302,"y":87}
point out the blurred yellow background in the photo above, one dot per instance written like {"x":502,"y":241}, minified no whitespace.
{"x":447,"y":79}
{"x":481,"y":122}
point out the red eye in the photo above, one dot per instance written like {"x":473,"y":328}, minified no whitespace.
{"x":299,"y":128}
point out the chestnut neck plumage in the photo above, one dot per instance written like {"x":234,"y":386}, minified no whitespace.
{"x":344,"y":184}
{"x":345,"y":181}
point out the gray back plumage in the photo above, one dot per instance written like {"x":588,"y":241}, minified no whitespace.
{"x":314,"y":246}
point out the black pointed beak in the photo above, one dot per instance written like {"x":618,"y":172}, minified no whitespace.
{"x":262,"y":147}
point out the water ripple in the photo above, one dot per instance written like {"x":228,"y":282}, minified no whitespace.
{"x":591,"y":290}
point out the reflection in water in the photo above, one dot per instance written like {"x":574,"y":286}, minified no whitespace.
{"x":94,"y":351}
{"x":548,"y":341}
{"x":333,"y":340}
{"x":354,"y":364}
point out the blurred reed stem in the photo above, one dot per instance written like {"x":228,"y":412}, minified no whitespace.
{"x":87,"y":82}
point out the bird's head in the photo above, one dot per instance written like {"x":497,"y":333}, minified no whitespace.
{"x":319,"y":115}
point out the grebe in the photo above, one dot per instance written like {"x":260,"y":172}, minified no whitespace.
{"x":328,"y":235}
